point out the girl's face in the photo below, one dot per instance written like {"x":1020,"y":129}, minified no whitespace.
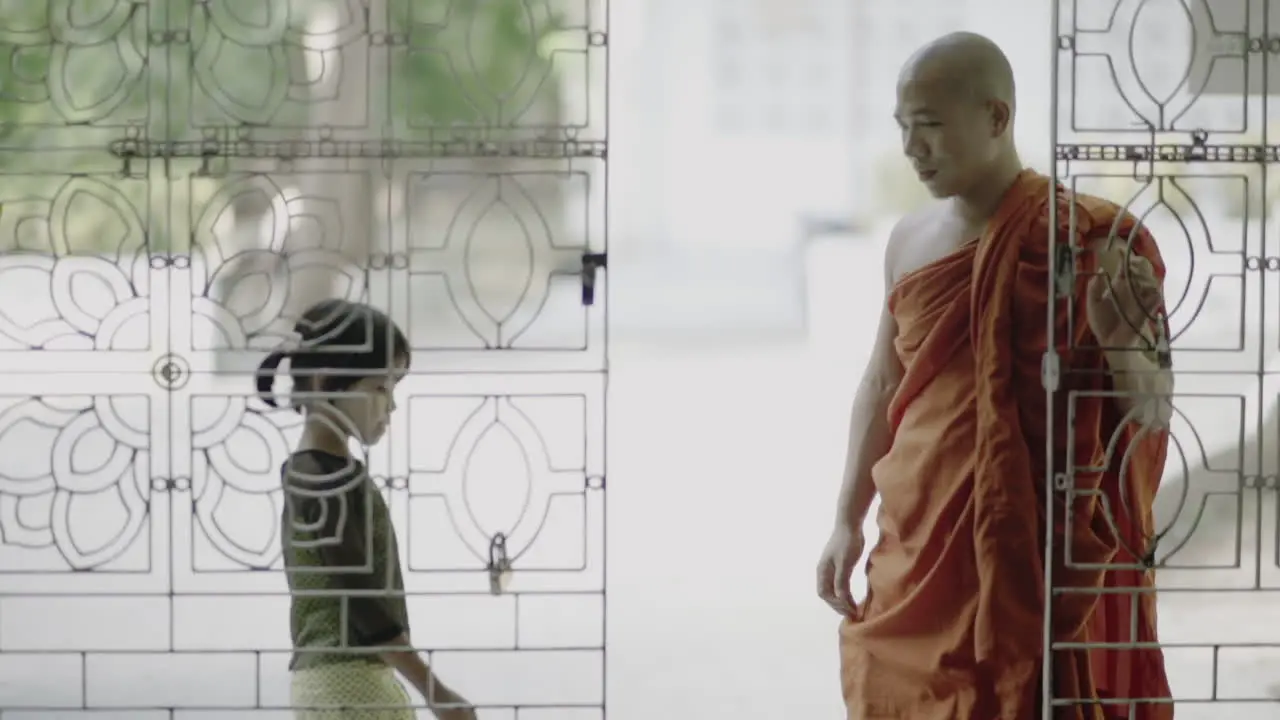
{"x":365,"y":408}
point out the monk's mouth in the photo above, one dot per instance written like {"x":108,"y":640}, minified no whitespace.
{"x":927,"y":175}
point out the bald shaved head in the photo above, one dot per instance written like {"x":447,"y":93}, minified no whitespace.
{"x":955,"y":108}
{"x":970,"y":64}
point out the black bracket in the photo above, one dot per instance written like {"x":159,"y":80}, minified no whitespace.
{"x":1064,"y":276}
{"x":592,"y":263}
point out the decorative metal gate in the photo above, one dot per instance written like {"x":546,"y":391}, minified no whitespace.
{"x":1163,"y":105}
{"x":140,"y":571}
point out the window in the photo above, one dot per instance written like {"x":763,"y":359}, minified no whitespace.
{"x":782,"y":66}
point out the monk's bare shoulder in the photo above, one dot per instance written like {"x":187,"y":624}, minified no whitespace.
{"x":904,"y":248}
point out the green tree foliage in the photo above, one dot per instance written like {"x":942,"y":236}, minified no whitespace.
{"x":83,"y":73}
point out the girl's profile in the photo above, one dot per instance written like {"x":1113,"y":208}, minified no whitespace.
{"x":348,"y":619}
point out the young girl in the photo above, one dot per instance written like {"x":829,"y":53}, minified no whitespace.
{"x":348,"y":619}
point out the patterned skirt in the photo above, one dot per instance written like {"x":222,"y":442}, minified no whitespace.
{"x":350,"y":691}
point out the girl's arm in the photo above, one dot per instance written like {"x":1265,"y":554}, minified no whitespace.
{"x":418,"y":673}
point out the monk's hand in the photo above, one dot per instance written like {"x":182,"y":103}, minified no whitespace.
{"x":1124,"y":297}
{"x":835,"y":569}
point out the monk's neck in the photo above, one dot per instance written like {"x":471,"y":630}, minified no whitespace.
{"x":978,"y":206}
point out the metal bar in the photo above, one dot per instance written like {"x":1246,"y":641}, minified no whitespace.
{"x":142,"y":149}
{"x":1046,"y":666}
{"x":1167,"y":152}
{"x":169,"y":530}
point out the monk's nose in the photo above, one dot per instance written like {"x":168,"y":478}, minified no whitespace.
{"x":912,"y":147}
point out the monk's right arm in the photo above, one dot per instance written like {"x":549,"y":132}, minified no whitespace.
{"x":869,"y":431}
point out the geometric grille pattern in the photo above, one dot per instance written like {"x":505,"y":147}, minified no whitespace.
{"x":159,"y":235}
{"x":1160,"y":106}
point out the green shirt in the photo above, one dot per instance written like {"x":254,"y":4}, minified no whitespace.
{"x":342,"y":561}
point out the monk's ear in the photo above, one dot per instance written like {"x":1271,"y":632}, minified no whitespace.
{"x":1001,"y":117}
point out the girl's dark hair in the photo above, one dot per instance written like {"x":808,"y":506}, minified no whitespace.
{"x":340,"y":342}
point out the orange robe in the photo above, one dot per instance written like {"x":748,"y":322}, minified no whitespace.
{"x":952,"y":628}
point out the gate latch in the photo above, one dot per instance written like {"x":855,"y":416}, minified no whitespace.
{"x":592,"y":263}
{"x":1064,"y":276}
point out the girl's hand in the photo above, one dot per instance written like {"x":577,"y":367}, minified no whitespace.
{"x":449,"y":705}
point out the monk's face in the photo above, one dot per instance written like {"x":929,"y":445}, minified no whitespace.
{"x":949,"y":135}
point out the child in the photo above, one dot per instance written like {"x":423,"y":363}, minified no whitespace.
{"x":338,"y":539}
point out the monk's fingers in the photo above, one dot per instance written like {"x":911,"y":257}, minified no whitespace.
{"x":833,"y":601}
{"x":1152,"y":299}
{"x":1119,"y":265}
{"x":1140,"y":268}
{"x":827,"y":582}
{"x":1099,"y":286}
{"x":844,"y":596}
{"x":837,"y":606}
{"x":833,"y":588}
{"x":839,"y":600}
{"x":841,"y":587}
{"x":1140,"y":275}
{"x":1140,"y":301}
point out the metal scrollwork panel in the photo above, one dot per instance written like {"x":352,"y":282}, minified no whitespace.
{"x":76,"y":497}
{"x":315,"y":64}
{"x":170,"y":214}
{"x":85,"y":291}
{"x":551,"y":85}
{"x":228,"y":448}
{"x":50,"y":49}
{"x":501,"y":493}
{"x":84,"y":536}
{"x":1213,"y":550}
{"x":496,"y":485}
{"x":1212,"y":287}
{"x":1158,"y":109}
{"x":1130,"y":68}
{"x":1136,"y":126}
{"x":340,"y":71}
{"x":268,"y":238}
{"x":499,"y":263}
{"x":502,"y":471}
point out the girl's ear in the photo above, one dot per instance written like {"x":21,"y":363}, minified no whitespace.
{"x":306,"y":389}
{"x":319,"y":384}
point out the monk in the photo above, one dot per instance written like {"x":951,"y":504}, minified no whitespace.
{"x":952,"y":429}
